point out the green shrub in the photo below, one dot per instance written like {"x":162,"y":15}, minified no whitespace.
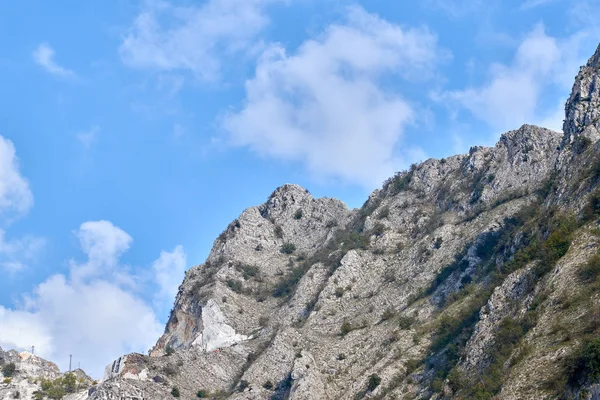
{"x":557,"y":244}
{"x":9,"y":369}
{"x":175,"y":392}
{"x":287,"y":248}
{"x":590,"y":271}
{"x":591,"y":210}
{"x":405,"y":322}
{"x":339,"y":291}
{"x":383,"y":213}
{"x":235,"y":285}
{"x":248,"y":271}
{"x":287,"y":285}
{"x":346,"y":328}
{"x":412,"y":365}
{"x":243,"y":385}
{"x":278,"y":232}
{"x":400,"y":182}
{"x":58,"y":388}
{"x":349,"y":240}
{"x":169,"y":350}
{"x":581,"y":143}
{"x":169,"y":370}
{"x":457,"y":327}
{"x":298,"y":214}
{"x":378,"y":229}
{"x":268,"y":385}
{"x":389,"y":313}
{"x":374,"y":381}
{"x":587,"y":368}
{"x":202,"y":394}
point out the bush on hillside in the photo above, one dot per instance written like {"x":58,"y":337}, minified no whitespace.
{"x":9,"y":369}
{"x":287,"y":248}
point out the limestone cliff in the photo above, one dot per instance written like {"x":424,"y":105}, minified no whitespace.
{"x":468,"y":277}
{"x":26,"y":376}
{"x":583,"y":106}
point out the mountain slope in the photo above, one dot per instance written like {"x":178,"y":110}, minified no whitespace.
{"x":468,"y":277}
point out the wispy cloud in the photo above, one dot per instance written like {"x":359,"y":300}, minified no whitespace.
{"x":168,"y":270}
{"x":16,"y":200}
{"x":88,"y":137}
{"x":15,"y":253}
{"x":44,"y":57}
{"x":15,"y":195}
{"x":196,"y":38}
{"x":513,"y":93}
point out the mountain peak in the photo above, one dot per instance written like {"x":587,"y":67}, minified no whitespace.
{"x":582,"y":110}
{"x":594,"y":61}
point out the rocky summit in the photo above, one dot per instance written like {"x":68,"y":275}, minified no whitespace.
{"x":471,"y":277}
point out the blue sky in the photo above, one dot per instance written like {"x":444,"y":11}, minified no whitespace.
{"x":133,"y":132}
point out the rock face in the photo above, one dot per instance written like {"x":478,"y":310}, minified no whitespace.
{"x":583,"y":106}
{"x":468,"y":277}
{"x":23,"y":373}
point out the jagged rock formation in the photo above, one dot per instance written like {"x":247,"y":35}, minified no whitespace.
{"x":468,"y":277}
{"x":583,"y":106}
{"x":24,"y":374}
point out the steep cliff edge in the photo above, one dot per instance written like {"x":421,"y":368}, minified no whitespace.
{"x":468,"y":277}
{"x":582,"y":111}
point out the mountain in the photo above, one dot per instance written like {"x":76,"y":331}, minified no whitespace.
{"x":26,"y":376}
{"x":475,"y":276}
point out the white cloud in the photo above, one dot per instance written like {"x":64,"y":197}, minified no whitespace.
{"x":95,"y":321}
{"x":15,"y":196}
{"x":194,"y":38}
{"x":93,"y":313}
{"x":23,"y":329}
{"x":103,"y":243}
{"x":513,"y":93}
{"x":87,"y":138}
{"x":14,"y":253}
{"x":44,"y":57}
{"x":15,"y":200}
{"x":325,"y":105}
{"x":169,"y":271}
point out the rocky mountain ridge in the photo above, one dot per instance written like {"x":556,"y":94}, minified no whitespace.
{"x":474,"y":276}
{"x":27,"y":376}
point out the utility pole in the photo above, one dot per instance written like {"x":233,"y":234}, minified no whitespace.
{"x":70,"y":359}
{"x":32,"y":349}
